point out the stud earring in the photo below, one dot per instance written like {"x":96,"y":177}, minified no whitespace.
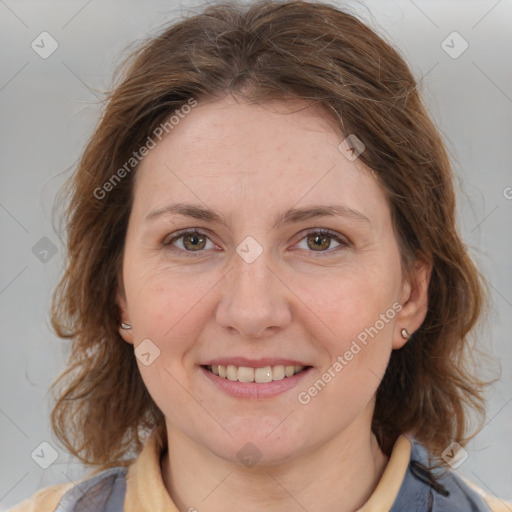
{"x":405,"y":334}
{"x":126,"y":326}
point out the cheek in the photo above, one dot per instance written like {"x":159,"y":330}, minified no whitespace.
{"x":356,"y":357}
{"x":163,"y":303}
{"x":165,"y":307}
{"x":357,"y":314}
{"x":352,"y":300}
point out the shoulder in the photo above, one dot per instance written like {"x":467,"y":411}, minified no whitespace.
{"x":44,"y":500}
{"x":440,"y":490}
{"x":495,"y":504}
{"x":105,"y":489}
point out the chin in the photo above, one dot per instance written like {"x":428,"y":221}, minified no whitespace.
{"x":255,"y":446}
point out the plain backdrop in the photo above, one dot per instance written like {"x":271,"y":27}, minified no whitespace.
{"x":49,"y":107}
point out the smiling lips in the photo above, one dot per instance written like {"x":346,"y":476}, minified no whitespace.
{"x":255,"y":379}
{"x":249,"y":374}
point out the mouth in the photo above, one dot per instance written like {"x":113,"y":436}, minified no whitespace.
{"x":258,"y":375}
{"x":254,"y":378}
{"x":255,"y":382}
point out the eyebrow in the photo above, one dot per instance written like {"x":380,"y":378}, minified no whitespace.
{"x":293,"y":215}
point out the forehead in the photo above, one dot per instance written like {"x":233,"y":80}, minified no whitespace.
{"x":231,"y":153}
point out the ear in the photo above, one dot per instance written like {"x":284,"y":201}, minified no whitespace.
{"x":126,"y":334}
{"x":414,"y":301}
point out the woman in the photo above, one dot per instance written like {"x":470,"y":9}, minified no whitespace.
{"x":268,"y":299}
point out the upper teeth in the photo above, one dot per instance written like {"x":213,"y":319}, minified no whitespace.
{"x":247,"y":374}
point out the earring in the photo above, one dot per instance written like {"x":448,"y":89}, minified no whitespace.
{"x":126,"y":326}
{"x":405,"y":334}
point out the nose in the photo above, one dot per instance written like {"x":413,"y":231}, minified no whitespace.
{"x":255,"y":300}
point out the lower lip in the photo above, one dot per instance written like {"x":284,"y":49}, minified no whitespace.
{"x":253,"y":390}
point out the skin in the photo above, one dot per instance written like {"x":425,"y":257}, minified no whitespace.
{"x":249,"y":163}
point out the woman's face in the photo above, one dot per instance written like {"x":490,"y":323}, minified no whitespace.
{"x":259,"y":288}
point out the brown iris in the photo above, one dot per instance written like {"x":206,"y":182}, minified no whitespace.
{"x":197,"y":241}
{"x":320,"y":241}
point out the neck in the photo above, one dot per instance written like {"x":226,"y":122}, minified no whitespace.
{"x":338,"y":476}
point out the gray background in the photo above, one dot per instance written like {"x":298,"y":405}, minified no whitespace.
{"x":49,"y":107}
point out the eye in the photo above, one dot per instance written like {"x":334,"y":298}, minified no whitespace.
{"x":319,"y":240}
{"x":192,"y":241}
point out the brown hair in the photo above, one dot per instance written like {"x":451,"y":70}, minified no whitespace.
{"x":264,"y":51}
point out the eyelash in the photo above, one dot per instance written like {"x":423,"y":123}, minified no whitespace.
{"x":167,"y":244}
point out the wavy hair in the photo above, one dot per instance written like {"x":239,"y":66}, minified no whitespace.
{"x":264,"y":51}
